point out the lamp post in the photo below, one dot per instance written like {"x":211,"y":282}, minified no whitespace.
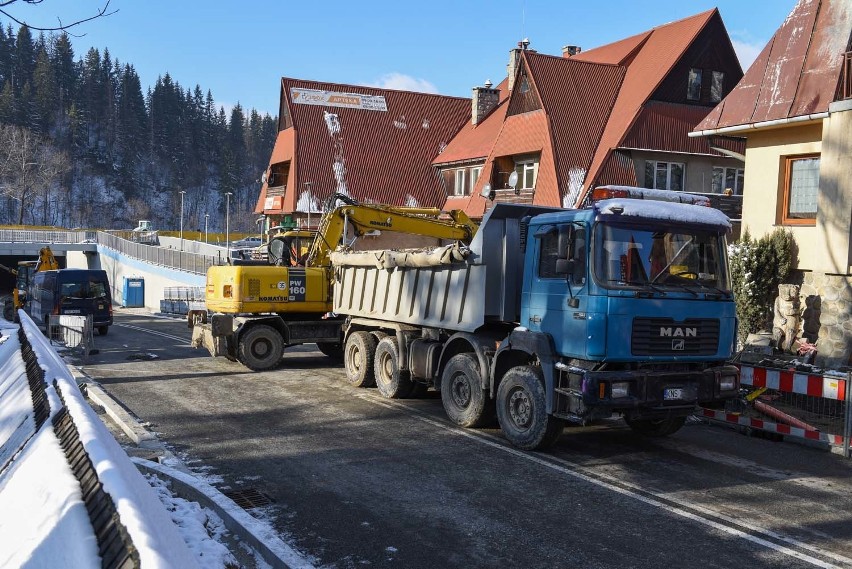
{"x":206,"y":221}
{"x":228,"y":224}
{"x":259,"y":223}
{"x":182,"y":193}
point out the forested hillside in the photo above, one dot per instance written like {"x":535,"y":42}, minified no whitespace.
{"x":83,"y":144}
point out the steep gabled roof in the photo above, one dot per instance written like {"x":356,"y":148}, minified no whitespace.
{"x":578,"y":97}
{"x":386,"y":155}
{"x":658,"y":53}
{"x":797,"y":72}
{"x":474,"y":141}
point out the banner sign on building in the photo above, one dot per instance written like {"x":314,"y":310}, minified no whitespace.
{"x":335,"y":99}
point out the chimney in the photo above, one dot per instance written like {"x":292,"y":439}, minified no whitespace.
{"x":569,"y":50}
{"x":514,"y":61}
{"x":483,"y":101}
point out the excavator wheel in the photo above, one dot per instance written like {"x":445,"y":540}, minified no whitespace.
{"x":260,"y":348}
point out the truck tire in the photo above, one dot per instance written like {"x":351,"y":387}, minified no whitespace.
{"x":465,"y":402}
{"x":655,"y":427}
{"x":260,"y":348}
{"x":358,"y":357}
{"x":522,"y":410}
{"x":103,"y":330}
{"x":9,"y":311}
{"x":391,"y":381}
{"x":331,"y":349}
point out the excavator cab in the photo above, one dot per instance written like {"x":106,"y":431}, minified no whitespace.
{"x":290,"y":249}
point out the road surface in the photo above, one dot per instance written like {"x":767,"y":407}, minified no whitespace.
{"x":357,"y":480}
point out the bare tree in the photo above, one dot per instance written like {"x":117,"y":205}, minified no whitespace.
{"x":29,"y":167}
{"x":6,"y":5}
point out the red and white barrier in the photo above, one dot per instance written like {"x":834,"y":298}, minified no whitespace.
{"x":794,"y":382}
{"x":780,"y":428}
{"x":787,"y":381}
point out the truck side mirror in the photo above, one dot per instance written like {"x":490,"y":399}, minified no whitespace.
{"x":564,"y":266}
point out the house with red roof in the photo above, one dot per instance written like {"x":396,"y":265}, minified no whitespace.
{"x":371,"y":144}
{"x":793,"y":107}
{"x":556,"y":127}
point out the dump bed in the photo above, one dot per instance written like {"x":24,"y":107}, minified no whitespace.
{"x":455,"y":295}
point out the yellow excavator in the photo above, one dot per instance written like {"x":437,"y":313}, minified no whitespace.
{"x":258,"y":310}
{"x":23,"y":275}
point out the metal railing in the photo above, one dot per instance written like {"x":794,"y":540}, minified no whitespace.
{"x":171,"y":258}
{"x":46,"y":236}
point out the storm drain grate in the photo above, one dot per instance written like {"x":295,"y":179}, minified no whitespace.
{"x":248,"y":498}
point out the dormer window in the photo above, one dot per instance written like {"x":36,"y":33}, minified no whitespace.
{"x":717,"y":86}
{"x":693,"y":87}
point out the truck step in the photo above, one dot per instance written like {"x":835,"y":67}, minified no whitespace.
{"x":567,"y":392}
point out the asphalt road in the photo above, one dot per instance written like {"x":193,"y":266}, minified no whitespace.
{"x":356,"y":480}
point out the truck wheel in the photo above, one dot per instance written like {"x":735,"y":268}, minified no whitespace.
{"x":465,"y":402}
{"x":331,"y":349}
{"x":392,"y":383}
{"x":521,"y":410}
{"x":103,"y":330}
{"x":260,"y":348}
{"x":655,"y":427}
{"x":358,"y":357}
{"x":9,"y":311}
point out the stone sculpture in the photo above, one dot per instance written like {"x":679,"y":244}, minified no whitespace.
{"x":785,"y":323}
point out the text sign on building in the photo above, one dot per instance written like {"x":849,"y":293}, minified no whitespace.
{"x":335,"y":99}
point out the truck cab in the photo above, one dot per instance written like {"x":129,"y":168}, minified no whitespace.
{"x":633,"y":295}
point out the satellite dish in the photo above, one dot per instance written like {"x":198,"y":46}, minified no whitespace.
{"x":513,"y":179}
{"x":487,"y":192}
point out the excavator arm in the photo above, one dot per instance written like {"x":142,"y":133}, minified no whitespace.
{"x":368,"y":217}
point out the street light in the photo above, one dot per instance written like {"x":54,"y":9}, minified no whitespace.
{"x":206,"y":221}
{"x":182,"y":193}
{"x":228,"y":224}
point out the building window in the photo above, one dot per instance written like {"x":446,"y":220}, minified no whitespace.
{"x":717,"y":87}
{"x":527,"y":174}
{"x":664,"y":175}
{"x":459,"y":187}
{"x":693,"y":87}
{"x":801,"y":184}
{"x":474,"y":176}
{"x":725,"y":179}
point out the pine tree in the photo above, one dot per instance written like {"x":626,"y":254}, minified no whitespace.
{"x":44,"y":93}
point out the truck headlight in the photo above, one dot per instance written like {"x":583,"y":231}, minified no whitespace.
{"x":620,"y":389}
{"x":727,"y":383}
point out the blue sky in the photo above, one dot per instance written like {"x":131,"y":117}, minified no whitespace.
{"x":240,"y":49}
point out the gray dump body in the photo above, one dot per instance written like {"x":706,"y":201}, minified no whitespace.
{"x":462,"y":296}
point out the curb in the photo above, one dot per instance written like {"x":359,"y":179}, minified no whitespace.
{"x":240,"y":523}
{"x":274,"y":551}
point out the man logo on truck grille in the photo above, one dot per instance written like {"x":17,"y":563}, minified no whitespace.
{"x":678,"y":345}
{"x":675,"y":332}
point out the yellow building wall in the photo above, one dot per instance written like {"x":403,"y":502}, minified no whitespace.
{"x":764,"y":183}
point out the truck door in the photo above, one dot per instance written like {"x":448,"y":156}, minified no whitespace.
{"x":558,"y":291}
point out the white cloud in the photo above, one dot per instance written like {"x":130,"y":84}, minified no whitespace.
{"x":404,"y":82}
{"x":747,"y":52}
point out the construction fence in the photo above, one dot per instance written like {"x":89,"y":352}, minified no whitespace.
{"x":181,"y":299}
{"x":793,"y":402}
{"x":73,"y":332}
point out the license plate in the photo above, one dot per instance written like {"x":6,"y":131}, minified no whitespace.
{"x":72,"y":312}
{"x":672,"y":393}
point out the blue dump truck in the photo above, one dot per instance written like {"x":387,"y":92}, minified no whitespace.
{"x":553,"y":315}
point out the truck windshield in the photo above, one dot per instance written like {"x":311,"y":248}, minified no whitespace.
{"x":660,"y":258}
